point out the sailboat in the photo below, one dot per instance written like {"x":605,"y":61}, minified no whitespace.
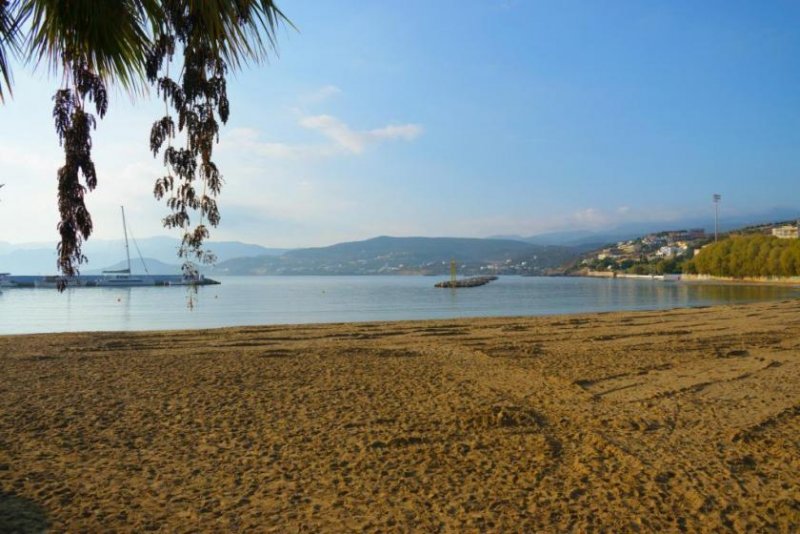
{"x":111,"y":278}
{"x":123,"y":277}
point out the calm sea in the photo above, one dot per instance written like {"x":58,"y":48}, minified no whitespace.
{"x":312,"y":299}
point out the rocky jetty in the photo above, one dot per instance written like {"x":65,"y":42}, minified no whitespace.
{"x":474,"y":281}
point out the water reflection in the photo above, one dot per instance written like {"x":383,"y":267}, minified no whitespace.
{"x":732,"y":292}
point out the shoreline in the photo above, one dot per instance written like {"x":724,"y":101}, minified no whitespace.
{"x":648,"y":420}
{"x":793,"y":282}
{"x":382,"y":322}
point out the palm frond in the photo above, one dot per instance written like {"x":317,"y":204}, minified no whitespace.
{"x":238,"y":30}
{"x":110,"y":35}
{"x":114,"y":36}
{"x":260,"y":27}
{"x":10,"y":41}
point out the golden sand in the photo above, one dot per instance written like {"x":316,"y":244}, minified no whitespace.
{"x":651,"y":421}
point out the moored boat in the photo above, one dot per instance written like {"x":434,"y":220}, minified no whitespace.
{"x":110,"y":278}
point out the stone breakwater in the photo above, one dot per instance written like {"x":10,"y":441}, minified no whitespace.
{"x":474,"y":281}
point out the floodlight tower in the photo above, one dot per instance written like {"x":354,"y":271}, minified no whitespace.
{"x":716,"y":199}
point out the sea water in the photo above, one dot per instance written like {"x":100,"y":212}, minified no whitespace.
{"x":250,"y":300}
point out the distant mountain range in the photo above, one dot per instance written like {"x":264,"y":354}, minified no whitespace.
{"x":140,"y":266}
{"x":409,"y":255}
{"x":40,"y":258}
{"x":588,"y":240}
{"x":583,"y":239}
{"x":404,"y":255}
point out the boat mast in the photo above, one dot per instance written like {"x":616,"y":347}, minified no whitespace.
{"x":125,"y":230}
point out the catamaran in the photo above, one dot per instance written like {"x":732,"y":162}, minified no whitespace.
{"x":123,"y":277}
{"x":110,"y":278}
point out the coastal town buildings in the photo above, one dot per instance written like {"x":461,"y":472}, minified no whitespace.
{"x":668,"y":244}
{"x":645,"y":252}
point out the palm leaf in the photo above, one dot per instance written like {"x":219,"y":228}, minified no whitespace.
{"x":110,"y":35}
{"x":9,"y":40}
{"x":114,"y":35}
{"x":238,"y":30}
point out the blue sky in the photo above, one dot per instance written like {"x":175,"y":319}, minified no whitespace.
{"x":468,"y":118}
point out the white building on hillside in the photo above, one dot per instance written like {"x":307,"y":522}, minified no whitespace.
{"x":668,"y":252}
{"x":786,"y":232}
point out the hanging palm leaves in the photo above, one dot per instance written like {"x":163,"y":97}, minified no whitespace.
{"x":198,"y":101}
{"x":74,"y":125}
{"x":93,"y":42}
{"x":211,"y":35}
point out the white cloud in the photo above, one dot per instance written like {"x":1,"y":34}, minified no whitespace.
{"x":354,"y":141}
{"x":590,"y":217}
{"x":406,"y":132}
{"x":595,"y":218}
{"x":324,"y":93}
{"x":342,"y":139}
{"x":335,"y":130}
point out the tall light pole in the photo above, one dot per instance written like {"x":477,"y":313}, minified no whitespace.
{"x":716,"y":199}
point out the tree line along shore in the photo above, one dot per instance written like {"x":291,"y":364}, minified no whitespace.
{"x":748,"y":256}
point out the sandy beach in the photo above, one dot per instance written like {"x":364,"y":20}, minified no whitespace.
{"x":685,"y":420}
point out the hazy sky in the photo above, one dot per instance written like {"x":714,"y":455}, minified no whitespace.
{"x":467,"y":118}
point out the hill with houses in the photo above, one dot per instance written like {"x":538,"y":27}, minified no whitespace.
{"x":688,"y":250}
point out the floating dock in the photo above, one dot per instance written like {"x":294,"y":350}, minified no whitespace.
{"x":474,"y":281}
